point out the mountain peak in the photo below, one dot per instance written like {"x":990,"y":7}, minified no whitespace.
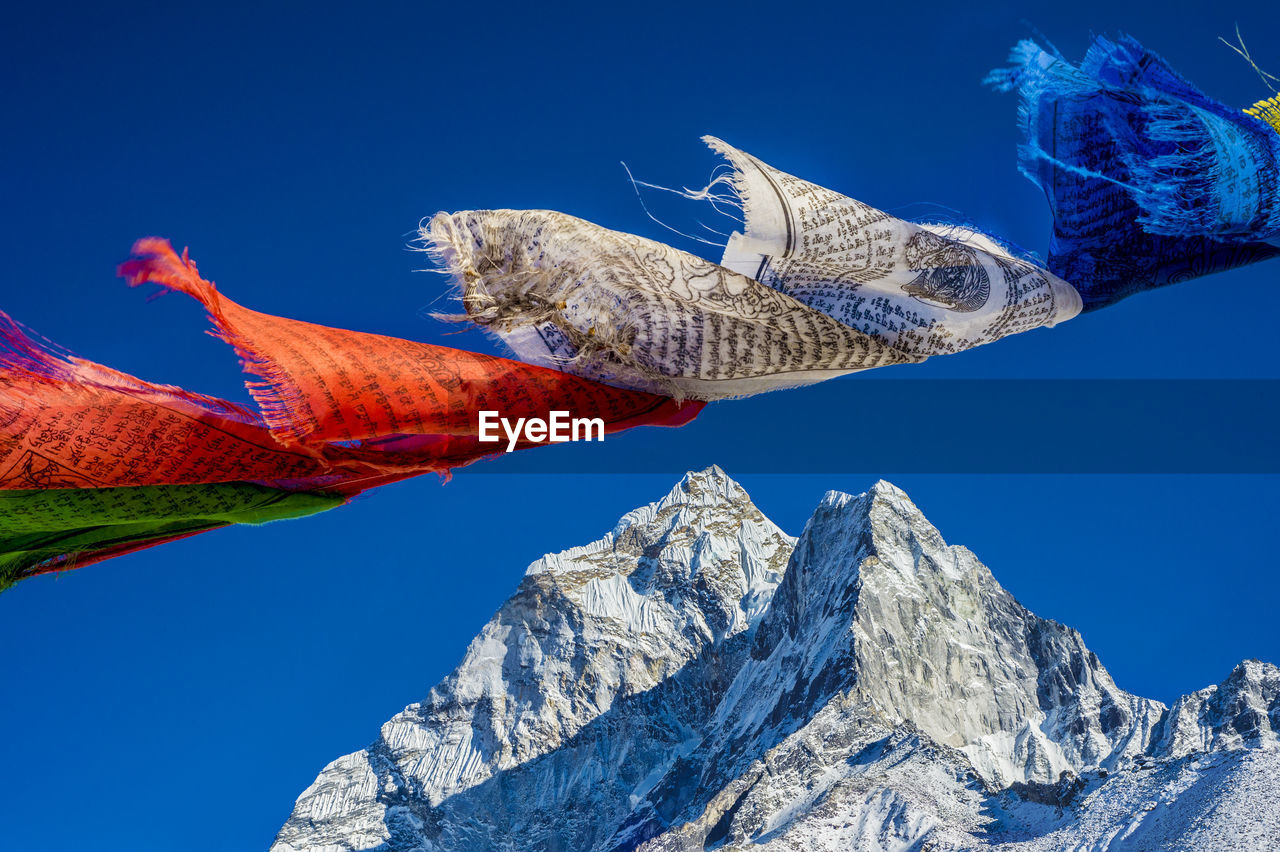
{"x":1241,"y":712}
{"x":713,"y":471}
{"x":630,"y":632}
{"x":885,"y":488}
{"x":1256,"y":671}
{"x":881,"y":492}
{"x":698,"y":679}
{"x":704,"y":488}
{"x":876,"y":605}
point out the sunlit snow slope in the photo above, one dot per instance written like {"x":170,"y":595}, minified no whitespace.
{"x":698,"y":679}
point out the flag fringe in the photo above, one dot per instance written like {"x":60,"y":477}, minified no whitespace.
{"x":1267,"y":110}
{"x":279,"y":399}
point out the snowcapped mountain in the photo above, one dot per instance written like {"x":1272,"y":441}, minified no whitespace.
{"x":698,"y":679}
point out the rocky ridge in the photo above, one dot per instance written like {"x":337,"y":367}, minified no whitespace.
{"x":698,"y":679}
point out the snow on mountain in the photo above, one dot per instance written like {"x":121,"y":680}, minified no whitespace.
{"x":698,"y":679}
{"x":1241,"y":712}
{"x":575,"y":696}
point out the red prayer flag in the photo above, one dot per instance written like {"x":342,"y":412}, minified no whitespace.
{"x":330,"y":384}
{"x":343,"y":410}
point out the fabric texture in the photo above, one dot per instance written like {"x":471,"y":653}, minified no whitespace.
{"x":818,"y":286}
{"x":1268,"y":110}
{"x":344,"y":410}
{"x":636,"y":313}
{"x":322,"y":384}
{"x":57,"y":529}
{"x":95,"y":463}
{"x":1150,"y":181}
{"x":70,"y":423}
{"x":925,"y":289}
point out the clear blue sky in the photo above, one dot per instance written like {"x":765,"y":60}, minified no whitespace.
{"x":181,"y":698}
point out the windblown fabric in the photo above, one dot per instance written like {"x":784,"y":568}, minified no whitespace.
{"x":1267,"y":110}
{"x":1150,"y":181}
{"x":639,"y":314}
{"x":60,"y":528}
{"x":818,"y":286}
{"x":70,"y":423}
{"x":95,"y":463}
{"x":323,"y":384}
{"x":923,"y":289}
